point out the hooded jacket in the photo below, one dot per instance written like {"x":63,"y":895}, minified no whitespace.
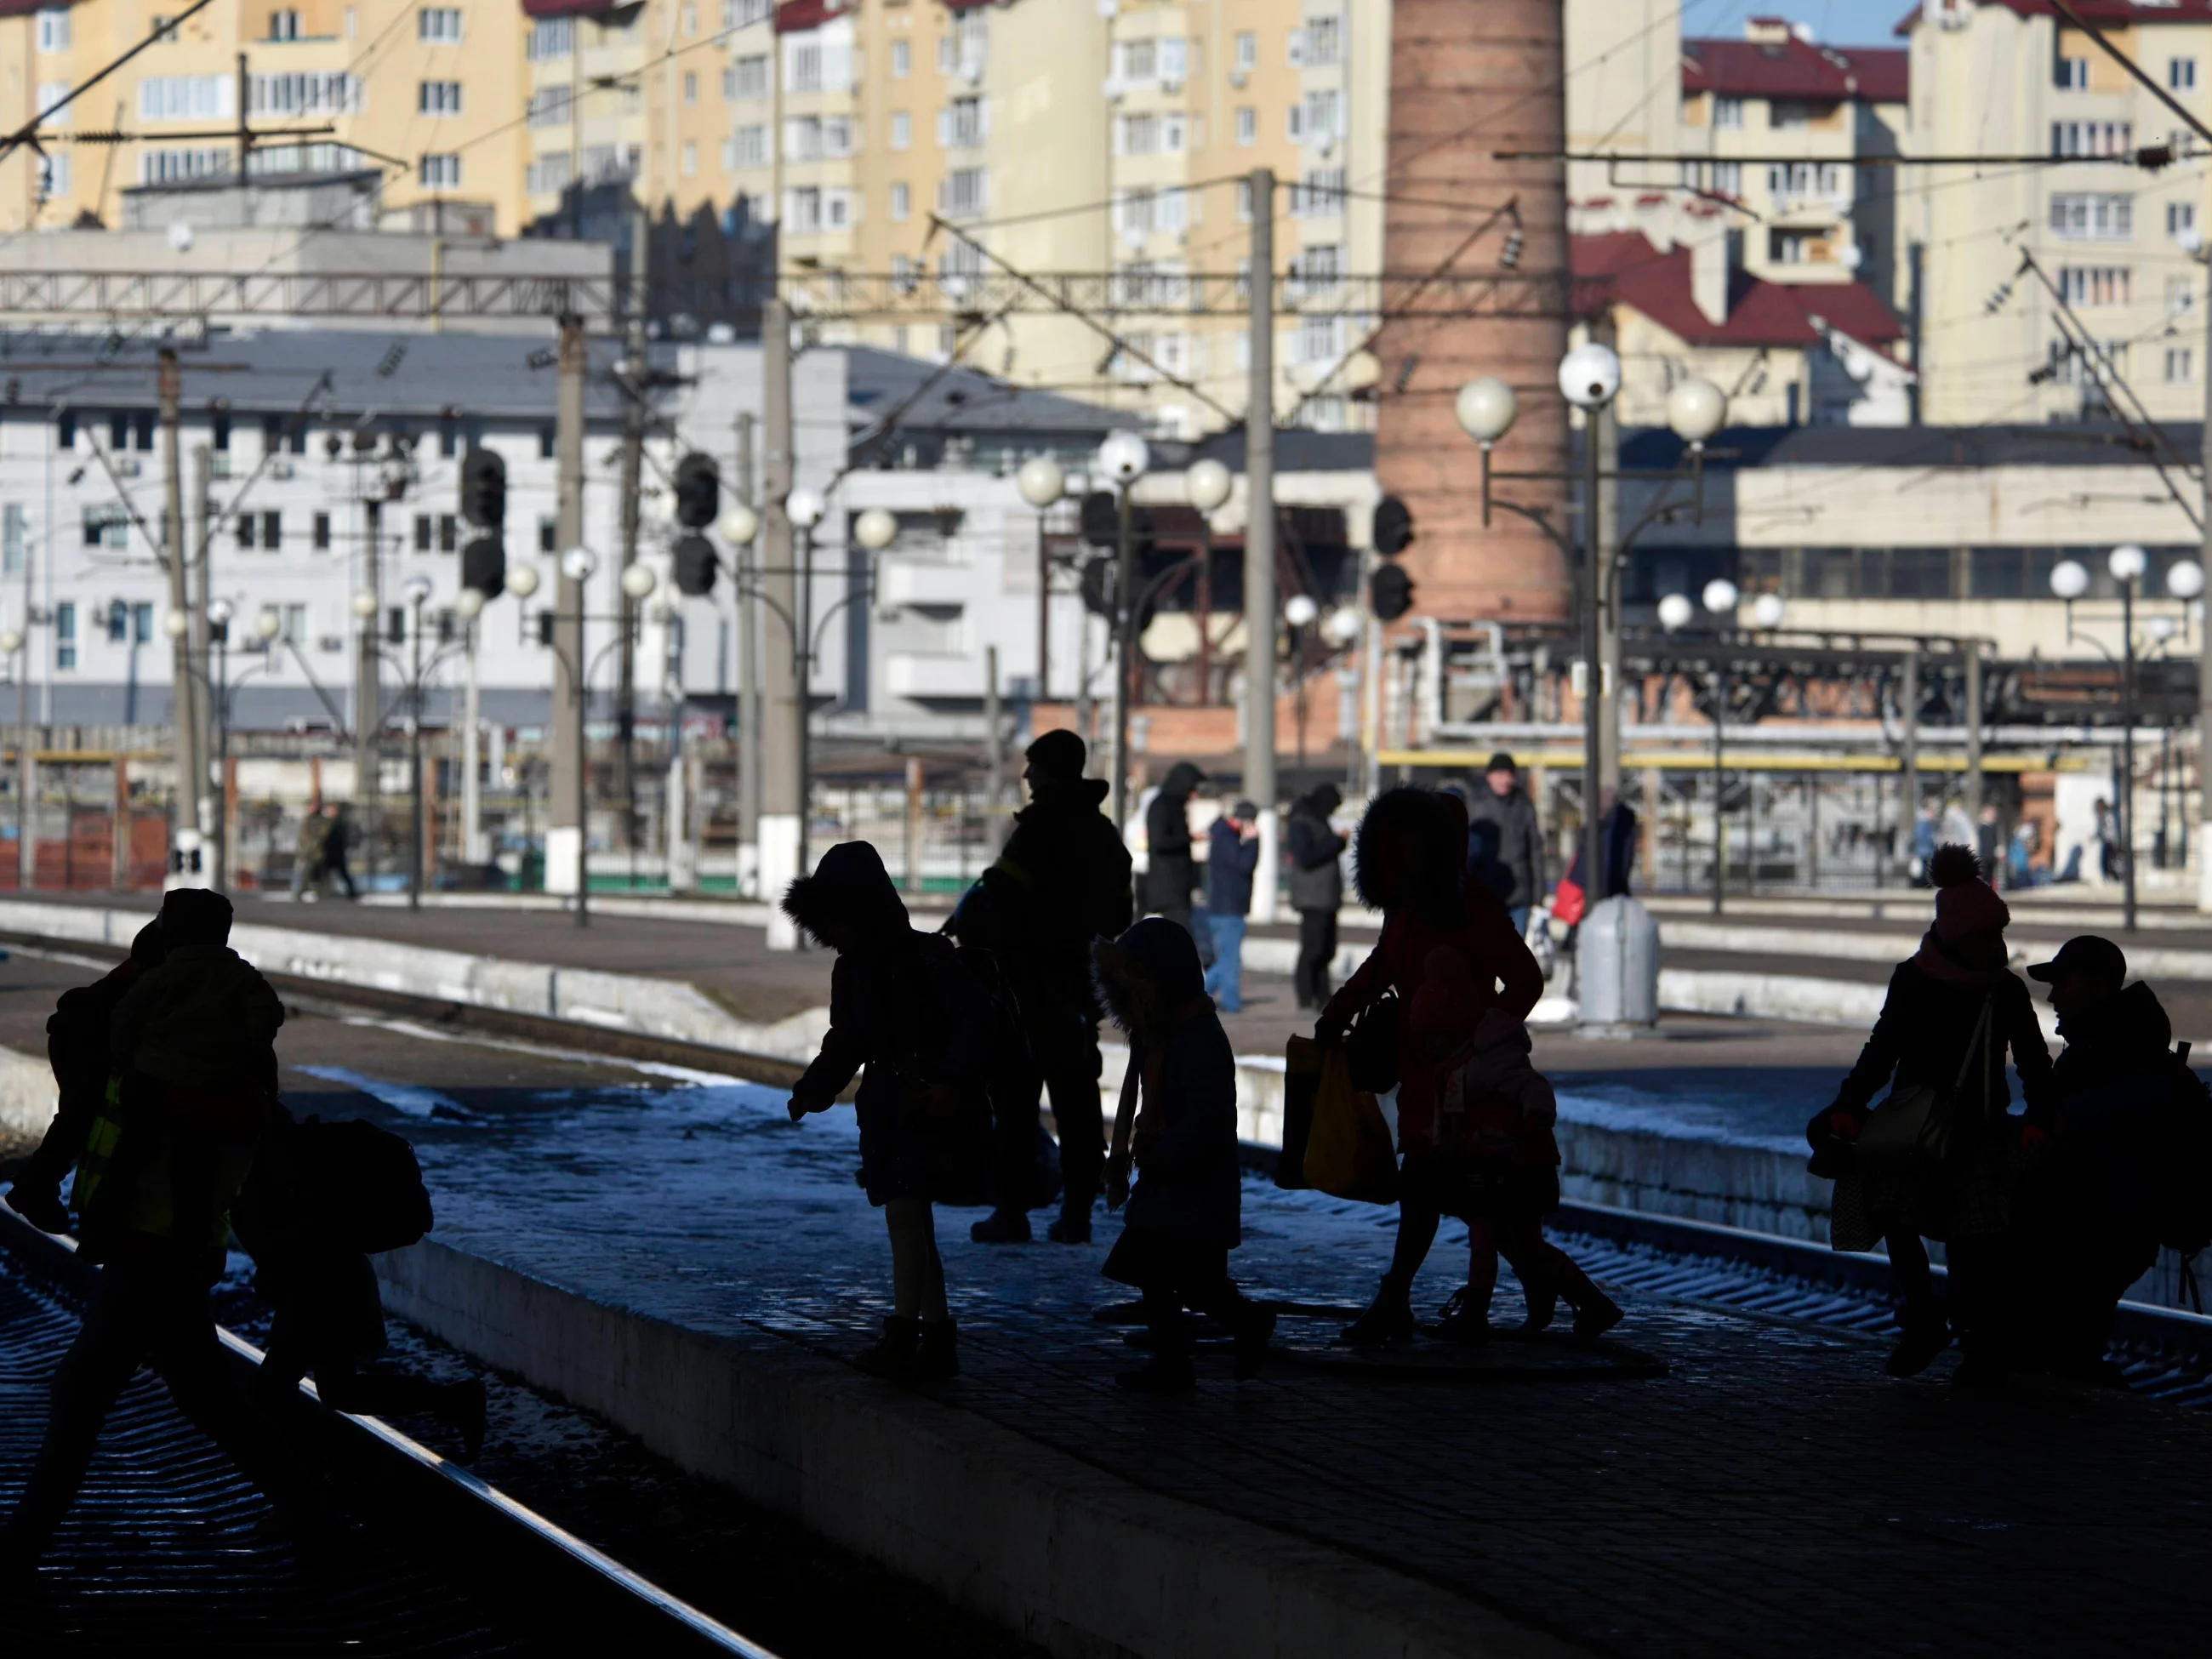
{"x":1170,"y":873}
{"x":1061,"y":881}
{"x":1506,"y":844}
{"x":902,"y":1006}
{"x":1188,"y":1187}
{"x":1316,"y":853}
{"x":204,"y":1020}
{"x":1408,"y":864}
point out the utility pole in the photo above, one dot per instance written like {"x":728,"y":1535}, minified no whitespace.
{"x":783,"y":721}
{"x":2204,"y":646}
{"x":474,"y":852}
{"x":198,"y":554}
{"x":747,"y":678}
{"x":245,"y":116}
{"x":1605,"y":576}
{"x":192,"y":766}
{"x":1908,"y":710}
{"x":1260,"y":546}
{"x":368,"y":686}
{"x":1973,"y":700}
{"x":634,"y":376}
{"x":566,"y":825}
{"x":994,"y":750}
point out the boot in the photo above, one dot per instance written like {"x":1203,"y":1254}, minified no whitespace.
{"x":1388,"y":1320}
{"x":1073,"y":1226}
{"x":894,"y":1354}
{"x":1923,"y":1333}
{"x":1595,"y":1313}
{"x":1253,"y":1330}
{"x":1002,"y":1227}
{"x":1463,"y":1321}
{"x":937,"y":1356}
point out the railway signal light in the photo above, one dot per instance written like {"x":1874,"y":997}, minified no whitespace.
{"x":694,"y":565}
{"x":1390,"y":592}
{"x":484,"y":489}
{"x":698,"y":492}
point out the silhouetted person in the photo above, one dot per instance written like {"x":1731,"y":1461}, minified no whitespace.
{"x":337,"y":843}
{"x":192,"y":1053}
{"x":1617,"y":835}
{"x":77,"y":1050}
{"x":2088,"y":1233}
{"x":1062,"y":881}
{"x":902,"y":1006}
{"x":1316,"y":890}
{"x":1950,"y":1012}
{"x":1171,"y":872}
{"x":1232,"y":854}
{"x":1185,"y":1214}
{"x":1410,"y":864}
{"x":320,"y":1199}
{"x":1505,"y":846}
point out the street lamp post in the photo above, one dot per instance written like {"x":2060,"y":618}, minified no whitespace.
{"x":803,"y":507}
{"x":11,"y":647}
{"x":1042,"y":483}
{"x":2127,"y":565}
{"x":1301,"y":613}
{"x":1207,"y":486}
{"x":1123,"y":458}
{"x":1720,"y":597}
{"x":417,"y":594}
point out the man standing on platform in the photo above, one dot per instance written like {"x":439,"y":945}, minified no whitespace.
{"x":1062,"y":881}
{"x":1505,"y":847}
{"x":1232,"y":854}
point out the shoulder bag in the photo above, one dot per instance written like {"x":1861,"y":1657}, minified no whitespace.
{"x":1917,"y":1121}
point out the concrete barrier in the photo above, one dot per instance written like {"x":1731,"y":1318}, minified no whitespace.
{"x":1075,"y":1559}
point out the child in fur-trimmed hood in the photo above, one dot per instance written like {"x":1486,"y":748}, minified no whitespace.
{"x":1185,"y":1215}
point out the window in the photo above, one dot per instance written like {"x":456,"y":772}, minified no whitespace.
{"x":1248,"y":51}
{"x":442,"y":172}
{"x":1324,"y":40}
{"x":549,"y":533}
{"x":165,"y":28}
{"x":751,"y":78}
{"x":183,"y":97}
{"x":749,"y":147}
{"x":902,"y":60}
{"x":1136,"y":135}
{"x":54,"y":30}
{"x":691,"y":87}
{"x":163,"y":167}
{"x":2180,"y":218}
{"x":1790,"y":247}
{"x":2113,"y":138}
{"x":440,"y":25}
{"x":439,"y":98}
{"x":552,"y":37}
{"x":902,"y":129}
{"x":283,"y":26}
{"x":690,"y":158}
{"x":294,"y":631}
{"x":322,"y":532}
{"x":2096,"y":285}
{"x":1794,"y":114}
{"x":802,"y":209}
{"x":327,"y":92}
{"x":1175,"y":59}
{"x":1247,"y":127}
{"x":743,"y":14}
{"x":964,"y":124}
{"x":554,"y":171}
{"x":1727,"y":112}
{"x":1319,"y":195}
{"x":803,"y":67}
{"x":2180,"y":295}
{"x":14,"y":539}
{"x":2180,"y":365}
{"x":689,"y":18}
{"x":51,"y":93}
{"x":549,"y":107}
{"x":57,"y":175}
{"x":902,"y":201}
{"x":2070,"y":73}
{"x":966,"y":192}
{"x":2092,"y":216}
{"x":2181,"y":75}
{"x":546,"y":440}
{"x":108,"y":526}
{"x":1321,"y":110}
{"x":66,"y":634}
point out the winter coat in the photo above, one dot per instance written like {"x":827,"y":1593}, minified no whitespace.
{"x":906,"y":1013}
{"x":203,"y":1020}
{"x":1061,"y":881}
{"x":1493,"y":1102}
{"x":1188,"y":1185}
{"x":1316,"y":855}
{"x":1505,"y":847}
{"x":1928,"y":1018}
{"x":2112,"y":1091}
{"x":1230,"y":862}
{"x":1170,"y":872}
{"x":1407,"y":865}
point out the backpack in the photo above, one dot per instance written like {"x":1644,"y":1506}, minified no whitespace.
{"x":360,"y":1185}
{"x":2181,"y":1169}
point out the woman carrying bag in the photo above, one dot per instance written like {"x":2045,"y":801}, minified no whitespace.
{"x":1936,"y":1157}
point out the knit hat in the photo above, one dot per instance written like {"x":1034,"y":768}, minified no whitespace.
{"x":1060,"y":753}
{"x":194,"y":915}
{"x":1965,"y":903}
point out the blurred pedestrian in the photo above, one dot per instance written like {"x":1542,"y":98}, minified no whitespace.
{"x":2020,"y":854}
{"x":1316,"y":889}
{"x":1062,"y":881}
{"x":1232,"y":854}
{"x":337,"y":842}
{"x":1937,"y":1157}
{"x":193,"y":1065}
{"x":1170,"y":871}
{"x":1410,"y":864}
{"x":1989,"y":841}
{"x":1925,"y":841}
{"x":307,"y":862}
{"x":1184,"y":1216}
{"x":901,"y":1006}
{"x":1505,"y":844}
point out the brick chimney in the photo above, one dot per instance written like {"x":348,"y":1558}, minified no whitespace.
{"x":1713,"y":259}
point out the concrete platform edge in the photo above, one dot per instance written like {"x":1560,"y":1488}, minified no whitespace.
{"x":1086,"y":1565}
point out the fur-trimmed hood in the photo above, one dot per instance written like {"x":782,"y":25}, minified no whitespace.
{"x":1182,"y":779}
{"x":849,"y":886}
{"x":1411,"y":849}
{"x":1145,"y":975}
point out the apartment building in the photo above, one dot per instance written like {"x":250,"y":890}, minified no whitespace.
{"x":2111,"y":309}
{"x":429,"y":91}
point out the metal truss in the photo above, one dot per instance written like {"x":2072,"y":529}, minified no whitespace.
{"x":143,"y":296}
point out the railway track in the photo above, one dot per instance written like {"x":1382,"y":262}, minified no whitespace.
{"x":171,"y":1551}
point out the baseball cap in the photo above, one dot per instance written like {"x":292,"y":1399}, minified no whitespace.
{"x":2085,"y":953}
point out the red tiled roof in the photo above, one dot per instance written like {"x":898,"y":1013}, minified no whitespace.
{"x":1622,"y":267}
{"x":1794,"y":69}
{"x":558,"y":8}
{"x":25,"y":8}
{"x":2092,"y":11}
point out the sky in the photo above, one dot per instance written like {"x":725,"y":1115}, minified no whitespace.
{"x":1837,"y":22}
